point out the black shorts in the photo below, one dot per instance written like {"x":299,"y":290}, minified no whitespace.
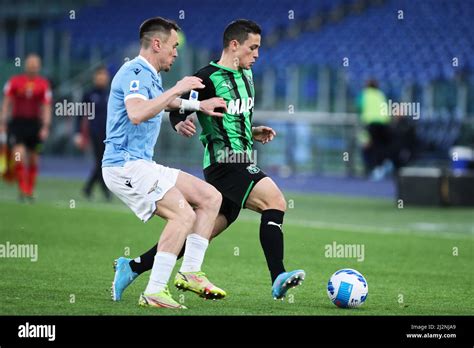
{"x":234,"y":181}
{"x":24,"y":131}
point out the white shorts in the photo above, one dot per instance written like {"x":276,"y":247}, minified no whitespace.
{"x":140,"y":184}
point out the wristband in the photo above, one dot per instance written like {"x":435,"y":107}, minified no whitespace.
{"x":190,"y":105}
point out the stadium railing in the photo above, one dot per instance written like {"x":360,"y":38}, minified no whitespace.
{"x":306,"y":143}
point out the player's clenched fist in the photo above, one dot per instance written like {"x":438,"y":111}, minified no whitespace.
{"x":188,"y":83}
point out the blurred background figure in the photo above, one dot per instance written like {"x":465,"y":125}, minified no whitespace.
{"x":376,"y":122}
{"x":92,"y":129}
{"x":27,"y":98}
{"x":403,"y":141}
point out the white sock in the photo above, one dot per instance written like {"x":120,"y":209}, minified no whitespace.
{"x":160,"y":273}
{"x":196,"y":247}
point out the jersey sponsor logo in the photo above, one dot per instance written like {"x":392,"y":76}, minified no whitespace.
{"x":134,"y":85}
{"x":238,"y":106}
{"x":128,"y":183}
{"x":253,"y":169}
{"x":137,"y":71}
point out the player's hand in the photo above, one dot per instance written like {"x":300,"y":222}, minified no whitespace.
{"x":209,"y":106}
{"x":3,"y":136}
{"x":188,"y":83}
{"x":263,"y":134}
{"x":44,"y":133}
{"x":186,"y":128}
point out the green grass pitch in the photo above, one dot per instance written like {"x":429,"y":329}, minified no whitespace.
{"x":417,"y":261}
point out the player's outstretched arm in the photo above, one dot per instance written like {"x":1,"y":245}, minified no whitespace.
{"x":140,"y":110}
{"x":183,"y":124}
{"x":207,"y":106}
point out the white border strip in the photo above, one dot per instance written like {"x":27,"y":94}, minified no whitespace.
{"x":135,"y":95}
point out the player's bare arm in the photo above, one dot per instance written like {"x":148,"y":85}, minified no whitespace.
{"x":46,"y":121}
{"x":140,"y":110}
{"x":188,"y":129}
{"x":207,"y":106}
{"x":4,"y":115}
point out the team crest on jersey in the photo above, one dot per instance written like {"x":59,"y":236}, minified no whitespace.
{"x":253,"y":169}
{"x":155,"y":188}
{"x":134,"y":85}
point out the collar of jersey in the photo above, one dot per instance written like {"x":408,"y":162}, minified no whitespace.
{"x":224,"y":67}
{"x":147,"y":63}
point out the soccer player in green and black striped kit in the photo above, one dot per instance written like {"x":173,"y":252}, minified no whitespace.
{"x":228,"y":158}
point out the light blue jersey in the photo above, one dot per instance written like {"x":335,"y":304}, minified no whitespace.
{"x":125,"y":141}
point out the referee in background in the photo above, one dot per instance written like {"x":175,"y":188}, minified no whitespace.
{"x":27,"y":97}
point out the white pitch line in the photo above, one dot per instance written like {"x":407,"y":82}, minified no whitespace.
{"x":421,"y":229}
{"x":405,"y":230}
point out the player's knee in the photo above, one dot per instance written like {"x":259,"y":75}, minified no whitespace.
{"x":189,"y":220}
{"x":212,"y":199}
{"x":186,"y":216}
{"x":280,"y":203}
{"x":276,"y":202}
{"x":216,"y":199}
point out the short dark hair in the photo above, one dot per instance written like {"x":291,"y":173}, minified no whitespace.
{"x":100,"y":68}
{"x":155,"y":25}
{"x":372,"y":83}
{"x":239,"y":30}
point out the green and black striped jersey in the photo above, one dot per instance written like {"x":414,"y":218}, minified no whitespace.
{"x":233,"y":132}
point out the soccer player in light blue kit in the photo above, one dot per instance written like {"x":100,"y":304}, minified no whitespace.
{"x":189,"y":205}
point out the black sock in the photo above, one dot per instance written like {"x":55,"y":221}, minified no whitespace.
{"x":271,"y":239}
{"x":147,"y":259}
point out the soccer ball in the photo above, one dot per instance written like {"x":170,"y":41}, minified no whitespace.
{"x":347,"y":288}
